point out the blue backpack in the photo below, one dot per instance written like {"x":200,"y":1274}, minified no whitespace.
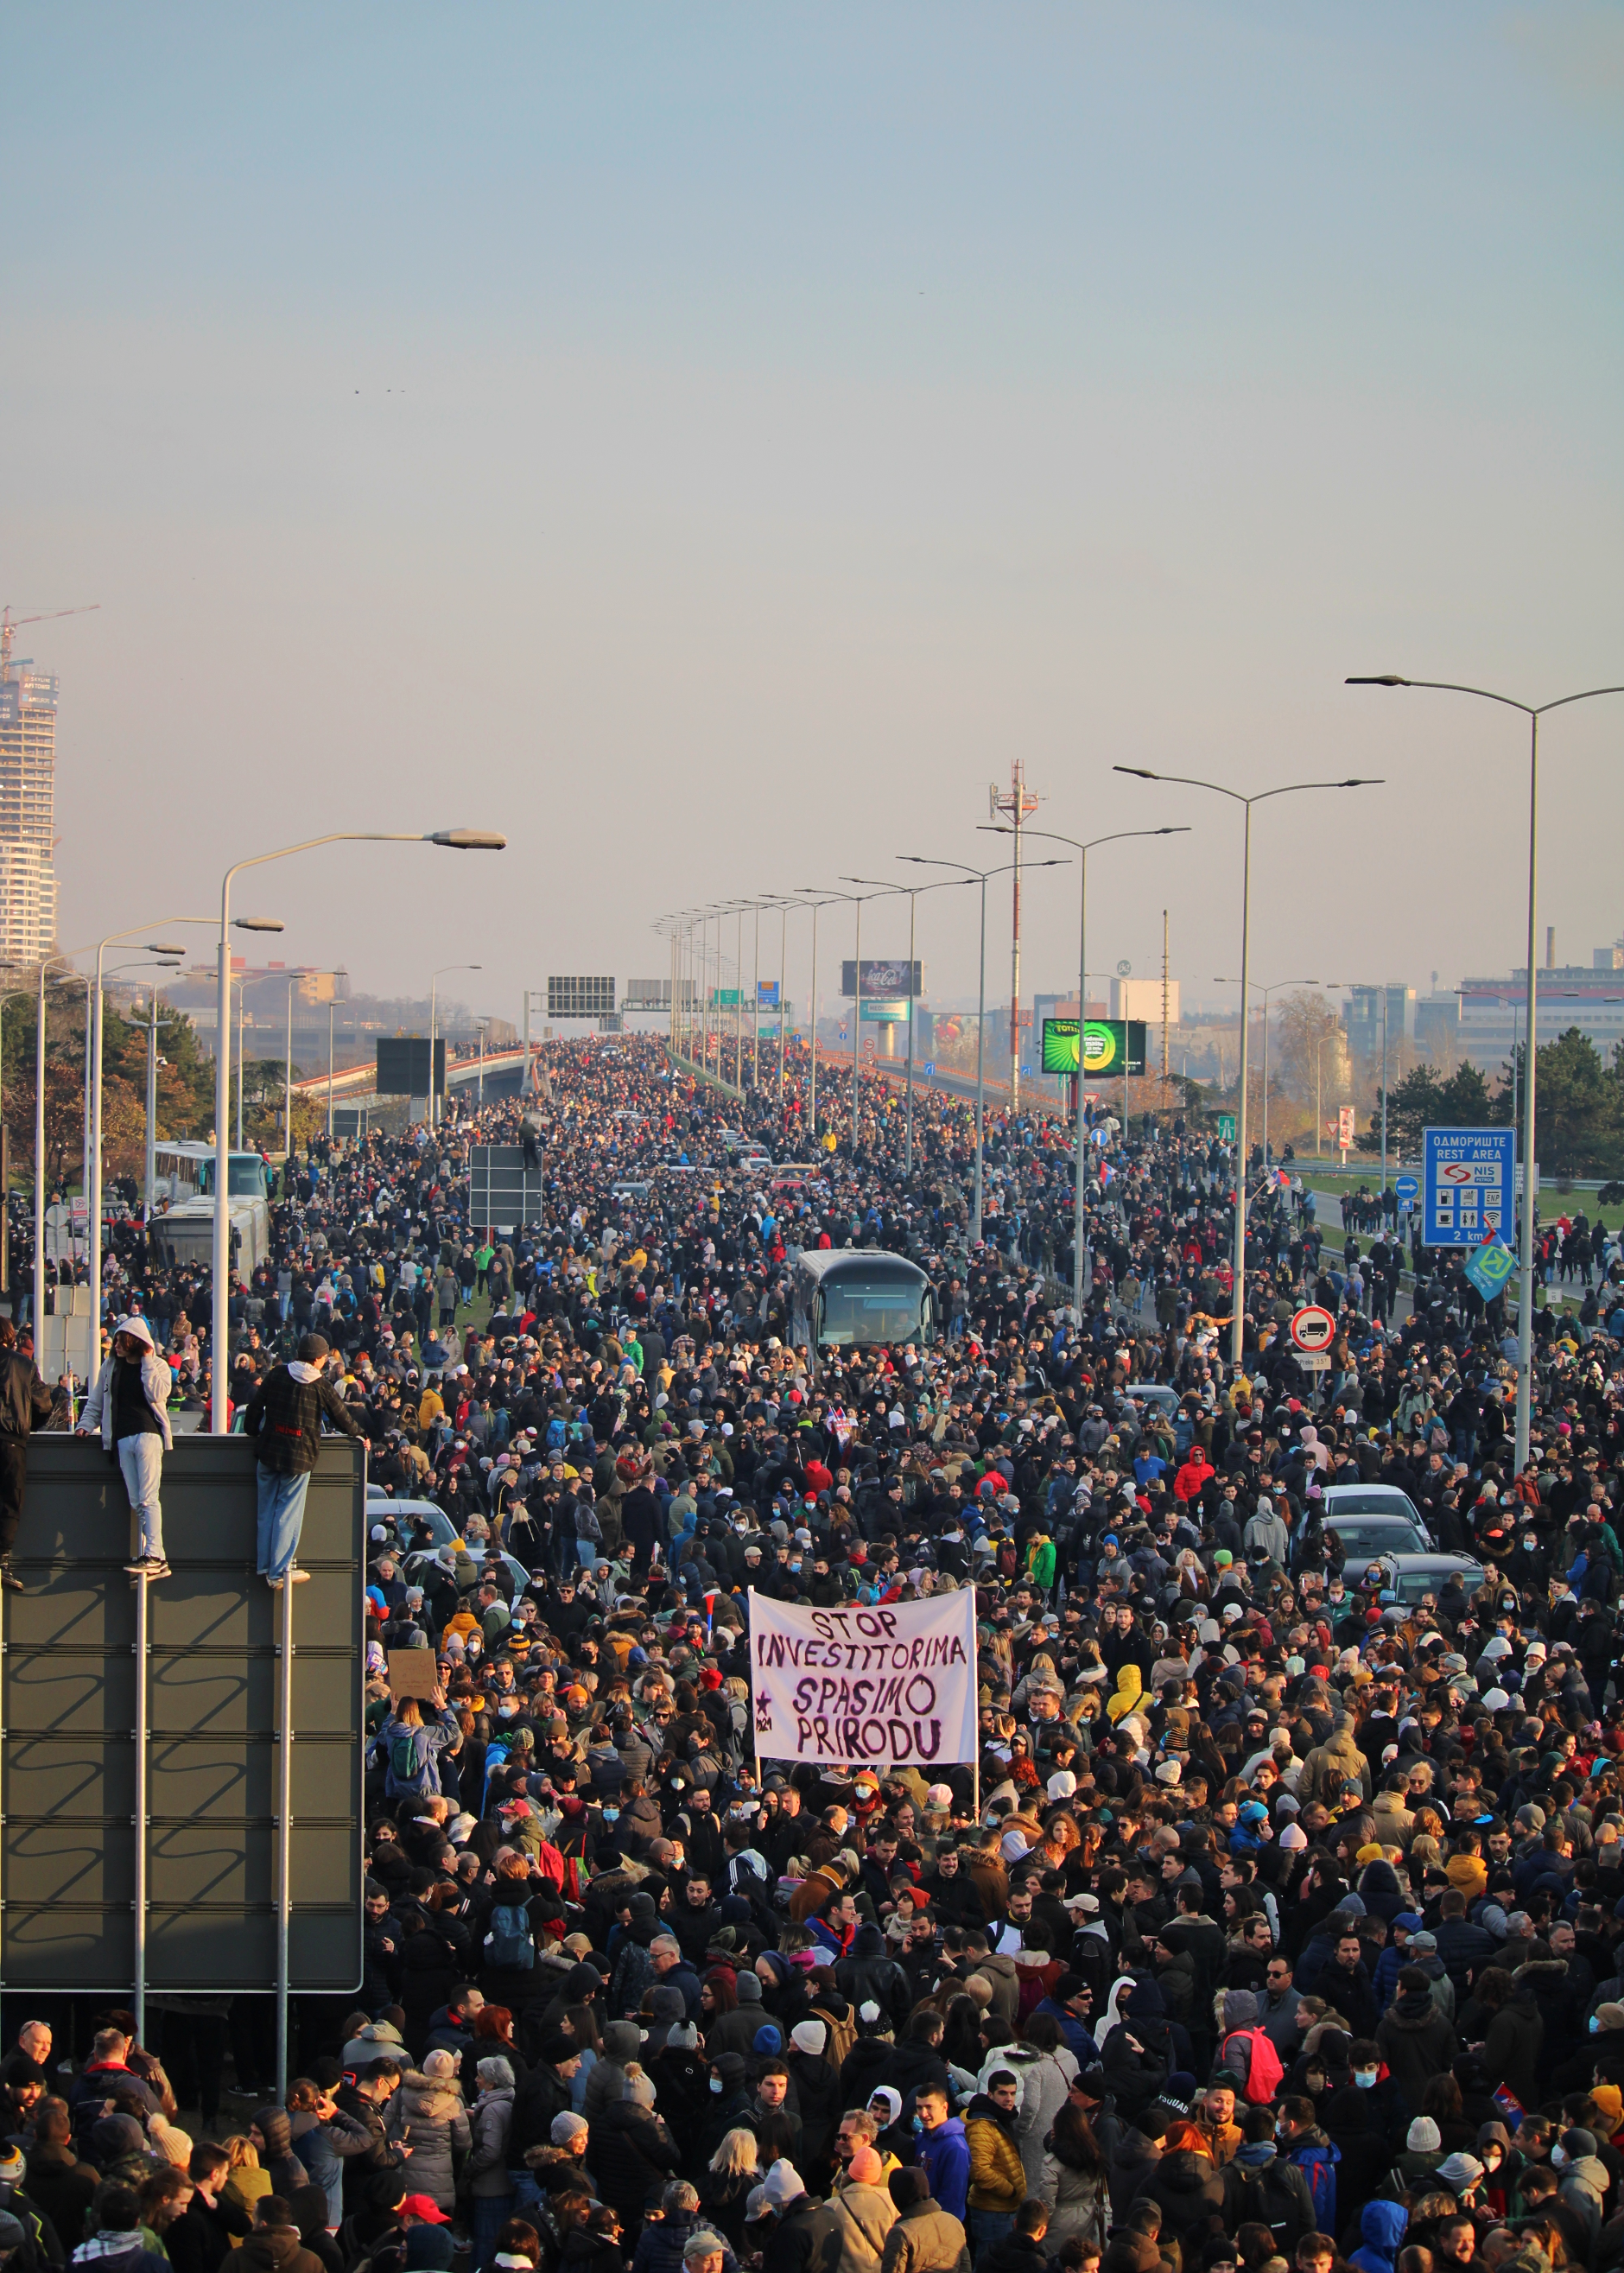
{"x":1318,"y":2166}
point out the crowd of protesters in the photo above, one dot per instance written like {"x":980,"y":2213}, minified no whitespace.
{"x":1276,"y":1927}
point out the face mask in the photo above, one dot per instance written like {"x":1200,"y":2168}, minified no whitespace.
{"x":507,"y":1711}
{"x":611,"y":1815}
{"x":1594,"y":2025}
{"x":716,"y":2083}
{"x":1365,"y":2078}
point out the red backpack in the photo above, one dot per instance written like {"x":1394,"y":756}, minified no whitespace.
{"x":1264,"y":2072}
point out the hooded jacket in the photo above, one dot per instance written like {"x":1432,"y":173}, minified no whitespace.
{"x":1381,"y":2230}
{"x":944,"y":2157}
{"x":1188,"y":2189}
{"x":427,"y":2115}
{"x":926,"y":2239}
{"x":1416,"y":2042}
{"x":1328,"y":1767}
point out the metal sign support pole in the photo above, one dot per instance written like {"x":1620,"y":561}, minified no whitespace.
{"x":284,"y":1844}
{"x":138,"y":1992}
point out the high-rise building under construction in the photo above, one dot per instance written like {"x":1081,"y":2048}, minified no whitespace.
{"x":28,"y":813}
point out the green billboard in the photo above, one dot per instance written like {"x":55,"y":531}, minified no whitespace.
{"x":1114,"y":1045}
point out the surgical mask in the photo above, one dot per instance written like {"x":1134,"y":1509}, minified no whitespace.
{"x":1594,"y":2025}
{"x":507,"y":1708}
{"x":716,"y":2083}
{"x":611,"y":1815}
{"x":1365,"y":2077}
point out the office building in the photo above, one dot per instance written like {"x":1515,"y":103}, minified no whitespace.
{"x":1361,"y":1018}
{"x":28,"y":813}
{"x":1589,"y":995}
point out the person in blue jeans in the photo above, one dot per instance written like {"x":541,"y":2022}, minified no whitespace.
{"x":284,"y":1418}
{"x":128,"y":1407}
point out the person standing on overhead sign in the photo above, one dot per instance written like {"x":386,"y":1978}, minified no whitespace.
{"x":530,"y":1136}
{"x":25,"y":1405}
{"x":284,"y":1416}
{"x":129,"y":1406}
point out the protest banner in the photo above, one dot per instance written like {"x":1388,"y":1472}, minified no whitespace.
{"x":882,"y":1687}
{"x":413,"y":1672}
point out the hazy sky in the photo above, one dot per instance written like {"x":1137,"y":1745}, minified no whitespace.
{"x":708,"y":443}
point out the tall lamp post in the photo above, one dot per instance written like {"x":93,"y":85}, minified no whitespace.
{"x":1258,"y":797}
{"x":1533,"y":712}
{"x":1266,"y":992}
{"x":288,"y":1068}
{"x":913,"y":892}
{"x":461,"y":840}
{"x":433,"y":1007}
{"x":855,"y":900}
{"x":1082,"y":851}
{"x":980,"y":876}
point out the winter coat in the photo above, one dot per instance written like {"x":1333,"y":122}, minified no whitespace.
{"x":631,"y":2150}
{"x":62,"y":2188}
{"x":323,"y":2147}
{"x":492,"y":2121}
{"x":1417,"y":2043}
{"x":276,"y":2249}
{"x":944,"y":2157}
{"x":869,"y":1972}
{"x":926,"y":2239}
{"x":1079,"y":2204}
{"x":1512,"y":2046}
{"x":1045,"y":2080}
{"x":858,"y":2220}
{"x":817,"y":2087}
{"x":427,"y":2115}
{"x":1328,"y":1767}
{"x":1381,"y":2230}
{"x":1585,"y":2183}
{"x":1189,"y":2190}
{"x":996,"y":2174}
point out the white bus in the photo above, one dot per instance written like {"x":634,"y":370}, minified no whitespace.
{"x":182,"y":1202}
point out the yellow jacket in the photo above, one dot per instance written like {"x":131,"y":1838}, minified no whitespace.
{"x":997,"y":2174}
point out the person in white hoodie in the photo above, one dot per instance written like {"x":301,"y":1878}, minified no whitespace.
{"x":129,"y":1408}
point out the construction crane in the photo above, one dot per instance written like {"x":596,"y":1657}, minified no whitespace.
{"x":10,"y":625}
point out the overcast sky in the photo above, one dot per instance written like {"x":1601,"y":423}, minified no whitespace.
{"x":710,"y":443}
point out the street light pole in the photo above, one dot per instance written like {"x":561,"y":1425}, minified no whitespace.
{"x":913,"y":892}
{"x":1533,"y":712}
{"x":433,"y":1007}
{"x":1082,"y":851}
{"x":1266,"y":992}
{"x":967,"y":875}
{"x":1219,"y":789}
{"x":460,"y":840}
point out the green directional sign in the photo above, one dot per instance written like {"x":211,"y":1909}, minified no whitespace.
{"x":1226,"y":1128}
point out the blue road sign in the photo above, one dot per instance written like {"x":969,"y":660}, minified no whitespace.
{"x":930,"y":1066}
{"x":1025,"y":1071}
{"x":1467,"y":1185}
{"x":1406,"y":1187}
{"x":1489,"y":1267}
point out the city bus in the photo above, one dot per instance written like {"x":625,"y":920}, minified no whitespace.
{"x":861,"y":1297}
{"x":182,"y":1199}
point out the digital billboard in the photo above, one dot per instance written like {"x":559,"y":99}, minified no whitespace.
{"x":887,"y":978}
{"x":1115,"y":1045}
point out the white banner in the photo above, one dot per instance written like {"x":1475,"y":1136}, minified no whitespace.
{"x":881,"y":1687}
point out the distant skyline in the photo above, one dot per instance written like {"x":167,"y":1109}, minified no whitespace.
{"x":708,"y":445}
